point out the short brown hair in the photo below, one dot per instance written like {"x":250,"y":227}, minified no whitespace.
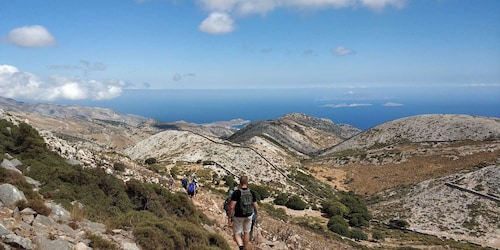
{"x":244,"y":180}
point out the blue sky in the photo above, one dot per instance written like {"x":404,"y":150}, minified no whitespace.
{"x":95,"y":49}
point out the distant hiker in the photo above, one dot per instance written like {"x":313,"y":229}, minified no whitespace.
{"x":185,"y":182}
{"x":171,"y":182}
{"x":243,"y":204}
{"x":195,"y":180}
{"x":191,"y":190}
{"x":229,"y":194}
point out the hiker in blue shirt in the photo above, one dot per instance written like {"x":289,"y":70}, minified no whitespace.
{"x":241,"y":209}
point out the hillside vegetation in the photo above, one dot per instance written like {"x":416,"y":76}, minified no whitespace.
{"x":159,"y":219}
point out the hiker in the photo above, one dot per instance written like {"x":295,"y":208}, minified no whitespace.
{"x":228,"y":199}
{"x":242,"y":207}
{"x":171,"y":182}
{"x":185,"y":182}
{"x":191,"y":189}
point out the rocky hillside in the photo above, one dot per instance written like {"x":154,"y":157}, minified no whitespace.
{"x":424,"y":128}
{"x":226,"y":157}
{"x":297,"y":133}
{"x":463,"y":206}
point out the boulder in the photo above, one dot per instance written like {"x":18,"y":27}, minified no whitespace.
{"x":10,"y":195}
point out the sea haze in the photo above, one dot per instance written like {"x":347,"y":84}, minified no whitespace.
{"x":362,"y":108}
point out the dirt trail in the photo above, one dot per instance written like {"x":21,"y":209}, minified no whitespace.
{"x":270,"y":233}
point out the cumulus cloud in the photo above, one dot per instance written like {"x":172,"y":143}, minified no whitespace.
{"x":31,"y":37}
{"x":18,"y":84}
{"x":392,"y":104}
{"x":221,"y":21}
{"x":343,"y":51}
{"x":346,"y":105}
{"x":217,"y":23}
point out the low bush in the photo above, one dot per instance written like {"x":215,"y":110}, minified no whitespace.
{"x":296,"y":203}
{"x":358,"y":234}
{"x":281,"y":199}
{"x":338,"y":225}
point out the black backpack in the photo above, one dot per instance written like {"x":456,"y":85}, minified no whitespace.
{"x":246,"y":202}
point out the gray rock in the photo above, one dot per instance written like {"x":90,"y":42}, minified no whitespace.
{"x":18,"y":241}
{"x":16,"y":163}
{"x":59,"y":244}
{"x":58,"y":213}
{"x":81,"y":246}
{"x":10,"y":166}
{"x":94,"y":226}
{"x":4,"y":231}
{"x":44,"y":222}
{"x":8,"y":156}
{"x":32,"y":181}
{"x":129,"y":246}
{"x":10,"y":195}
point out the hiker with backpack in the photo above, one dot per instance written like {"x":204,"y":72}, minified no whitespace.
{"x":229,"y":194}
{"x":185,"y":182}
{"x":191,"y":189}
{"x":241,"y":209}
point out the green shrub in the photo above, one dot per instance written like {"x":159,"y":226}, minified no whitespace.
{"x":337,"y":224}
{"x":296,"y":203}
{"x":281,"y":199}
{"x":333,"y":207}
{"x":228,"y":180}
{"x":398,"y":224}
{"x":261,"y":191}
{"x":119,"y":166}
{"x":152,"y":235}
{"x":174,"y":171}
{"x":278,"y":213}
{"x":97,"y":242}
{"x":378,"y":235}
{"x":150,"y":161}
{"x":358,"y":234}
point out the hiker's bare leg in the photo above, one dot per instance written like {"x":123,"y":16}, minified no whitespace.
{"x":237,"y":238}
{"x":246,"y":240}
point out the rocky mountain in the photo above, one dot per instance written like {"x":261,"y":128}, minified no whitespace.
{"x":297,"y":133}
{"x":424,"y":128}
{"x":414,"y":169}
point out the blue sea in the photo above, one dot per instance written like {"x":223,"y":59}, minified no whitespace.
{"x":362,"y":108}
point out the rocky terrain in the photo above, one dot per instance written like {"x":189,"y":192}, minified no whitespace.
{"x":404,"y":167}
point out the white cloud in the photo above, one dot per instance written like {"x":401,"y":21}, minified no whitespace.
{"x":229,"y":8}
{"x":392,"y":104}
{"x":18,"y":84}
{"x":217,"y":23}
{"x":250,"y":7}
{"x":343,"y":51}
{"x":346,"y":105}
{"x":381,"y":4}
{"x":31,"y":37}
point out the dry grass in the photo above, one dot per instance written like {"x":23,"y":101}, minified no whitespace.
{"x":424,"y":162}
{"x":369,"y":179}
